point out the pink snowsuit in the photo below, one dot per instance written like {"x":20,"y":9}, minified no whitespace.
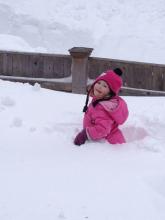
{"x":102,"y":121}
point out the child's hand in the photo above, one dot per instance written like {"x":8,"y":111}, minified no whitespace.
{"x":81,"y":138}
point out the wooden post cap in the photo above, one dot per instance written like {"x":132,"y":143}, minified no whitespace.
{"x":80,"y":52}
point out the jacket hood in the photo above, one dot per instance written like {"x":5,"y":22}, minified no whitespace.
{"x":117,"y":109}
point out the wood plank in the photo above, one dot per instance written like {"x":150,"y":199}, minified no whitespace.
{"x":67,"y":66}
{"x":36,"y":66}
{"x":7,"y":64}
{"x":157,"y":78}
{"x":1,"y":63}
{"x":162,"y":72}
{"x":47,"y":67}
{"x":16,"y":65}
{"x":58,"y":68}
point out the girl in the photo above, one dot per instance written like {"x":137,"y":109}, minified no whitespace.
{"x":106,"y":111}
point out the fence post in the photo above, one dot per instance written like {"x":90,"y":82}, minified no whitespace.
{"x":79,"y":68}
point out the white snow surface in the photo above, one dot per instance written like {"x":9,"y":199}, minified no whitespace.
{"x":43,"y":175}
{"x":121,"y":29}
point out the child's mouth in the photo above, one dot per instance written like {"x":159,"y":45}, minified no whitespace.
{"x":98,"y":91}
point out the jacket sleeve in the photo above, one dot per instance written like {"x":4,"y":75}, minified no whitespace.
{"x":101,"y":128}
{"x":87,"y":121}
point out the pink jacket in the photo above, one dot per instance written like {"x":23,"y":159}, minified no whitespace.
{"x":102,"y":121}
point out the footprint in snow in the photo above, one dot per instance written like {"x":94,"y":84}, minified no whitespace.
{"x":17,"y":122}
{"x":7,"y":101}
{"x":32,"y":129}
{"x":61,"y":215}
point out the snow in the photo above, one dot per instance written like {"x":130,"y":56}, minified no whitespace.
{"x":43,"y":175}
{"x":114,"y":28}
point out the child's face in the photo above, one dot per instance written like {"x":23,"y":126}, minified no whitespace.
{"x":101,"y":89}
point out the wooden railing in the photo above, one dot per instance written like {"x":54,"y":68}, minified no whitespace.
{"x":72,"y":73}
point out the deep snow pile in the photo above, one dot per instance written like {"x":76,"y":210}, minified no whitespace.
{"x":44,"y":176}
{"x":114,"y":28}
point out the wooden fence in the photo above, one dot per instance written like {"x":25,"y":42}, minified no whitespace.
{"x":73,"y":73}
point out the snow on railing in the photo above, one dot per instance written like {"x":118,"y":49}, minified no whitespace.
{"x":68,"y":80}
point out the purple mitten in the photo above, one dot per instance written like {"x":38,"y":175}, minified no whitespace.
{"x":80,"y":138}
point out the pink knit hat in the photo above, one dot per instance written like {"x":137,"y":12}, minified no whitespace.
{"x":112,"y":79}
